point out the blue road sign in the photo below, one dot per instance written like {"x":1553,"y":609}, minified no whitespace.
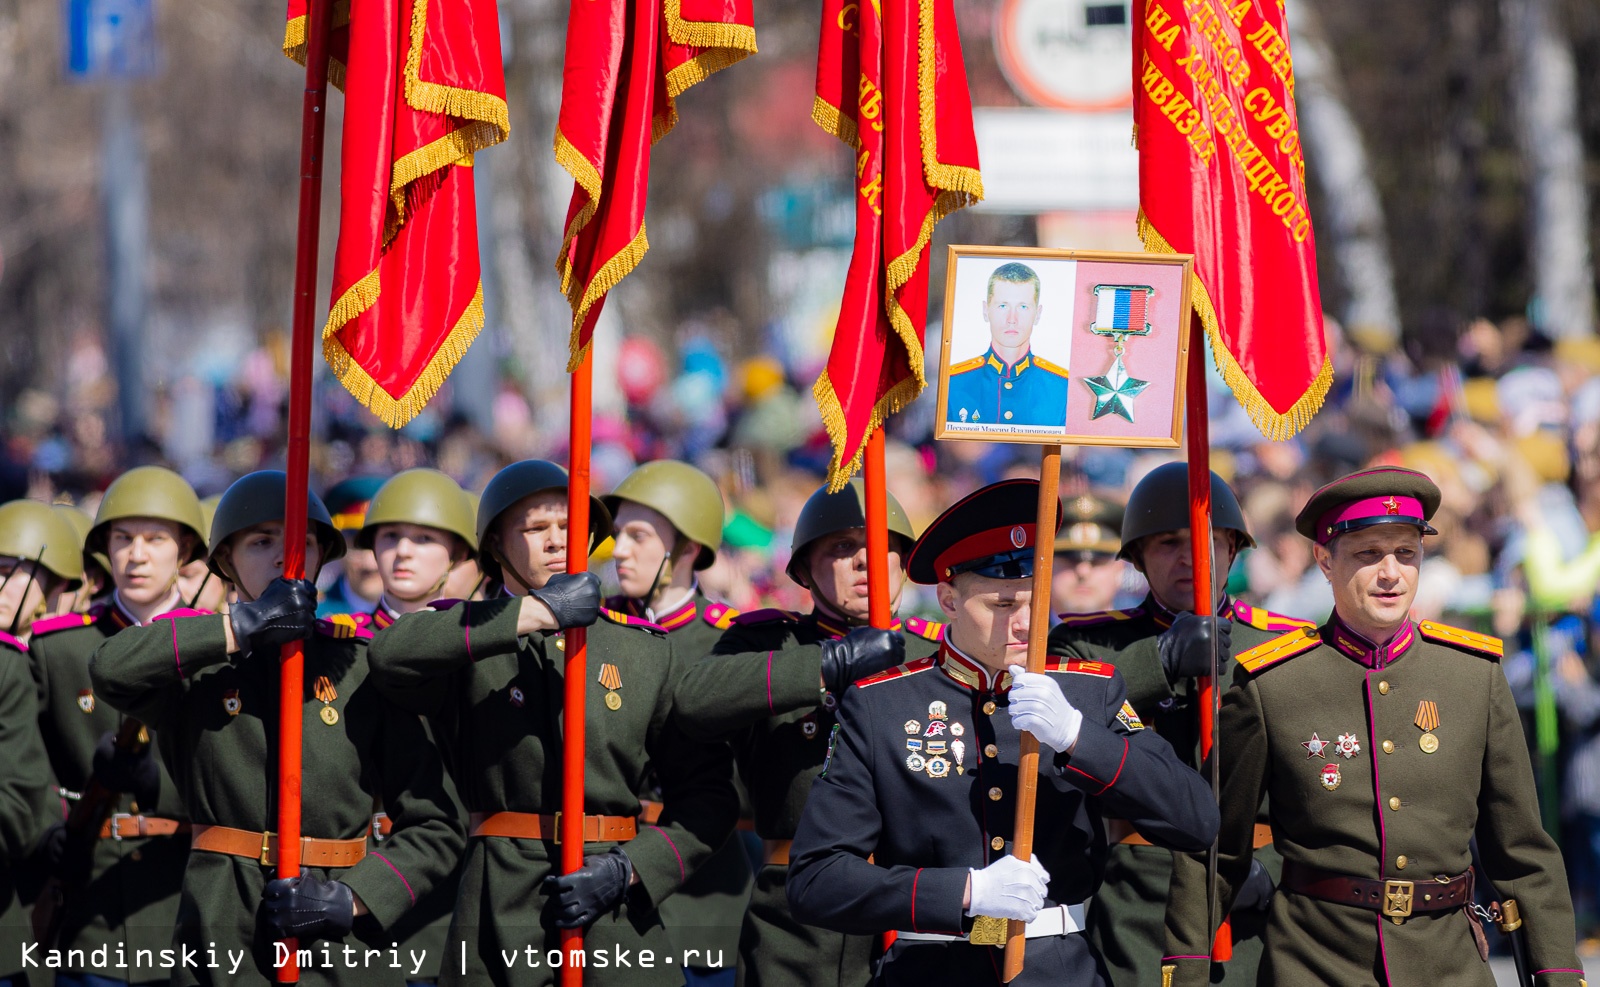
{"x":110,"y":39}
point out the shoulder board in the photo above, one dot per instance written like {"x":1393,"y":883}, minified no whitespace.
{"x":13,"y":642}
{"x":52,"y":624}
{"x":1101,"y":617}
{"x":772,"y":615}
{"x":618,"y":617}
{"x":719,"y":615}
{"x":1280,"y":648}
{"x":1051,"y":367}
{"x":928,"y":630}
{"x":180,"y":612}
{"x":898,"y":672}
{"x":444,"y":604}
{"x":1464,"y":640}
{"x":1265,"y":620}
{"x":965,"y":365}
{"x":343,"y":626}
{"x":1054,"y":663}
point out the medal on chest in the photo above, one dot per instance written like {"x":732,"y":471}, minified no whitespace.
{"x":326,"y":694}
{"x":231,"y":703}
{"x":611,"y":678}
{"x":1330,"y":776}
{"x":86,"y":700}
{"x":1427,"y":720}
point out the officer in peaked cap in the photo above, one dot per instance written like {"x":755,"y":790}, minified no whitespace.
{"x":910,"y":826}
{"x":1161,"y":647}
{"x":1088,"y":571}
{"x":1389,"y":746}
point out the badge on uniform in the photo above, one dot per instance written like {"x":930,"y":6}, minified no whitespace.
{"x":1347,"y":746}
{"x":326,"y":693}
{"x":1129,"y":718}
{"x":958,"y":750}
{"x":916,"y":762}
{"x":938,"y":767}
{"x":612,"y":680}
{"x":86,"y":700}
{"x":914,"y":744}
{"x":937,"y":710}
{"x":1314,"y":747}
{"x":956,"y":729}
{"x":808,"y":728}
{"x":1427,"y":720}
{"x":912,"y":726}
{"x":517,"y":698}
{"x":231,"y":703}
{"x":1330,"y":776}
{"x":936,"y":729}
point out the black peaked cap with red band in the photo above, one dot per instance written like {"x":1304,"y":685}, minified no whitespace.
{"x":989,"y":532}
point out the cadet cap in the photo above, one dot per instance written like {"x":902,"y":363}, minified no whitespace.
{"x":1091,"y":528}
{"x":1387,"y":495}
{"x":989,"y":532}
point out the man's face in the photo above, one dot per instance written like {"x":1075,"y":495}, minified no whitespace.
{"x":1085,"y":582}
{"x":989,"y":618}
{"x":255,"y":556}
{"x":19,"y":593}
{"x":145,"y":555}
{"x":1167,"y":561}
{"x":195,"y":578}
{"x":838,"y":567}
{"x":644,"y":538}
{"x":413,"y":560}
{"x":1011,"y":311}
{"x":1373,"y":572}
{"x":361,"y":570}
{"x":532,"y":535}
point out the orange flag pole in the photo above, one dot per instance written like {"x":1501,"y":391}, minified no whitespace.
{"x":880,"y":612}
{"x":577,"y":639}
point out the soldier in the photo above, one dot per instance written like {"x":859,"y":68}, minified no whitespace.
{"x":358,"y":587}
{"x":148,"y":527}
{"x":922,"y":771}
{"x":96,"y":568}
{"x":769,"y":688}
{"x":1088,"y":570}
{"x":208,"y":682}
{"x":201,"y":588}
{"x":667,"y":526}
{"x":466,"y":581}
{"x":40,"y":563}
{"x":1388,"y":747}
{"x":489,"y":675}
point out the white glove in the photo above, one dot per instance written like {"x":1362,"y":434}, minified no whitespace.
{"x":1009,"y":888}
{"x":1038,"y":707}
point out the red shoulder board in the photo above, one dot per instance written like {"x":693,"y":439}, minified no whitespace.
{"x":52,"y":624}
{"x":897,"y":672}
{"x":1471,"y":641}
{"x":720,"y":615}
{"x":618,"y":617}
{"x":1101,"y":618}
{"x":1103,"y":669}
{"x":180,"y":612}
{"x":928,"y":630}
{"x":1279,"y":649}
{"x":344,"y":626}
{"x":765,"y":617}
{"x":444,"y":604}
{"x":8,"y":639}
{"x":1265,"y":620}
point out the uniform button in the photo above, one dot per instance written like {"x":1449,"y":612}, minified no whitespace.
{"x":991,"y":751}
{"x":988,"y":710}
{"x":136,"y":855}
{"x":1400,"y":862}
{"x":561,"y":643}
{"x":1008,"y":416}
{"x":998,"y":843}
{"x":1388,"y":747}
{"x":1008,"y":385}
{"x":994,"y":794}
{"x":1394,"y":803}
{"x":1383,"y":687}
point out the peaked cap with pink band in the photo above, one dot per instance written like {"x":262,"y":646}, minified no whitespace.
{"x":1386,"y":495}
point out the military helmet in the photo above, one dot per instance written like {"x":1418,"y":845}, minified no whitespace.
{"x":94,"y":563}
{"x":149,"y":492}
{"x":208,"y":511}
{"x":825,"y":513}
{"x":1160,"y":503}
{"x":257,"y":498}
{"x":420,"y":496}
{"x":681,"y":494}
{"x":524,"y":479}
{"x":30,"y":530}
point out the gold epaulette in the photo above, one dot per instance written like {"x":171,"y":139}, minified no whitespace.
{"x":897,"y":672}
{"x":928,"y":630}
{"x":965,"y":365}
{"x":720,"y":615}
{"x":1263,"y":619}
{"x":1044,"y":364}
{"x":1482,"y":645}
{"x":1297,"y":641}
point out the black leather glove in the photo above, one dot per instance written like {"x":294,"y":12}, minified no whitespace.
{"x":573,"y":598}
{"x":306,"y":908}
{"x":1255,"y":894}
{"x":862,"y":652}
{"x":286,"y":611}
{"x":64,"y":856}
{"x":592,"y":890}
{"x":1186,"y":646}
{"x":134,"y":772}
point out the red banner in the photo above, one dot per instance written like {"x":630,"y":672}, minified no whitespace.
{"x":424,"y":90}
{"x":1222,"y":176}
{"x":627,"y":61}
{"x":891,"y":84}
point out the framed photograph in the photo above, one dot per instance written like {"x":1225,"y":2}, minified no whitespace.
{"x":1075,"y":347}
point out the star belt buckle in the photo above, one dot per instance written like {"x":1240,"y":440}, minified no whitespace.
{"x":1397,"y":896}
{"x":987,"y":931}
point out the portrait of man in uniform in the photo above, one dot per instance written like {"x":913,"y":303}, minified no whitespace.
{"x":1008,"y":384}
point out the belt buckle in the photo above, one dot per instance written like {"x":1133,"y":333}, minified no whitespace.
{"x":377,"y":827}
{"x":987,"y":931}
{"x":266,"y":848}
{"x":557,"y":838}
{"x":116,"y":833}
{"x":1397,"y":898}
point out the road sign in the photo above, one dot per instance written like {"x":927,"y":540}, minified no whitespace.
{"x":1038,"y":161}
{"x":110,"y":39}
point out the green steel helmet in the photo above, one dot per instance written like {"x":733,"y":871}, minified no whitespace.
{"x":208,"y":511}
{"x":681,"y":494}
{"x":257,"y":498}
{"x":150,"y":492}
{"x":420,"y":496}
{"x":1160,"y":503}
{"x":524,"y":479}
{"x":30,"y":530}
{"x":826,"y":513}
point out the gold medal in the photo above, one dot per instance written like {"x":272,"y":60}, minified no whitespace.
{"x":330,"y":716}
{"x":613,"y":700}
{"x":326,"y":693}
{"x":1429,"y":743}
{"x":611,"y":678}
{"x":1427,"y":720}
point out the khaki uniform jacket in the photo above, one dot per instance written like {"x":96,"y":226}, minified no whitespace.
{"x":495,"y":701}
{"x":1334,"y":730}
{"x":218,"y":720}
{"x":25,"y":797}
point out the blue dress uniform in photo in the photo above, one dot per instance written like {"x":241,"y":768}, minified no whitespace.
{"x":985,"y":390}
{"x":922,"y":778}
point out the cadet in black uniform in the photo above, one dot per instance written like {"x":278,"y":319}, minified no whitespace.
{"x":922,"y":769}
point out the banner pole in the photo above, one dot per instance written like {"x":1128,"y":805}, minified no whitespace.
{"x":291,"y":669}
{"x":877,"y":514}
{"x":577,"y":642}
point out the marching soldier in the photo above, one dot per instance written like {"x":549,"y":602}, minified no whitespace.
{"x":208,"y":682}
{"x":41,"y":562}
{"x":909,"y":826}
{"x":667,"y":527}
{"x":1161,"y":647}
{"x":489,"y":675}
{"x":1088,"y":570}
{"x":201,"y":588}
{"x":769,"y":688}
{"x":1388,"y":747}
{"x":358,"y":587}
{"x":148,"y":526}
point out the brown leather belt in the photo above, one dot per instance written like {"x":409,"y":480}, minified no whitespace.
{"x":1396,"y":900}
{"x":122,"y":826}
{"x":775,"y":852}
{"x":1121,"y":831}
{"x":535,"y":826}
{"x":264,"y":847}
{"x":650,"y":812}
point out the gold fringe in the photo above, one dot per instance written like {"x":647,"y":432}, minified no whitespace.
{"x":588,"y":178}
{"x":356,"y":299}
{"x":456,"y":147}
{"x":897,"y":398}
{"x":431,"y":97}
{"x":955,"y":178}
{"x":294,"y":41}
{"x":680,"y":79}
{"x":707,"y":34}
{"x":828,"y":117}
{"x":1276,"y":426}
{"x":610,"y":273}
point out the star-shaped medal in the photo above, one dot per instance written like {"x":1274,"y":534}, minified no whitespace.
{"x":1314,"y":746}
{"x":1114,"y":391}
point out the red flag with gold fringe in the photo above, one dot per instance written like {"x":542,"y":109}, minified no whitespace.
{"x":627,"y":61}
{"x":424,"y":90}
{"x":1222,"y":176}
{"x":890,"y":84}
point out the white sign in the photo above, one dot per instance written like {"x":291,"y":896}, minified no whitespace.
{"x":1037,"y":161}
{"x":1067,"y":54}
